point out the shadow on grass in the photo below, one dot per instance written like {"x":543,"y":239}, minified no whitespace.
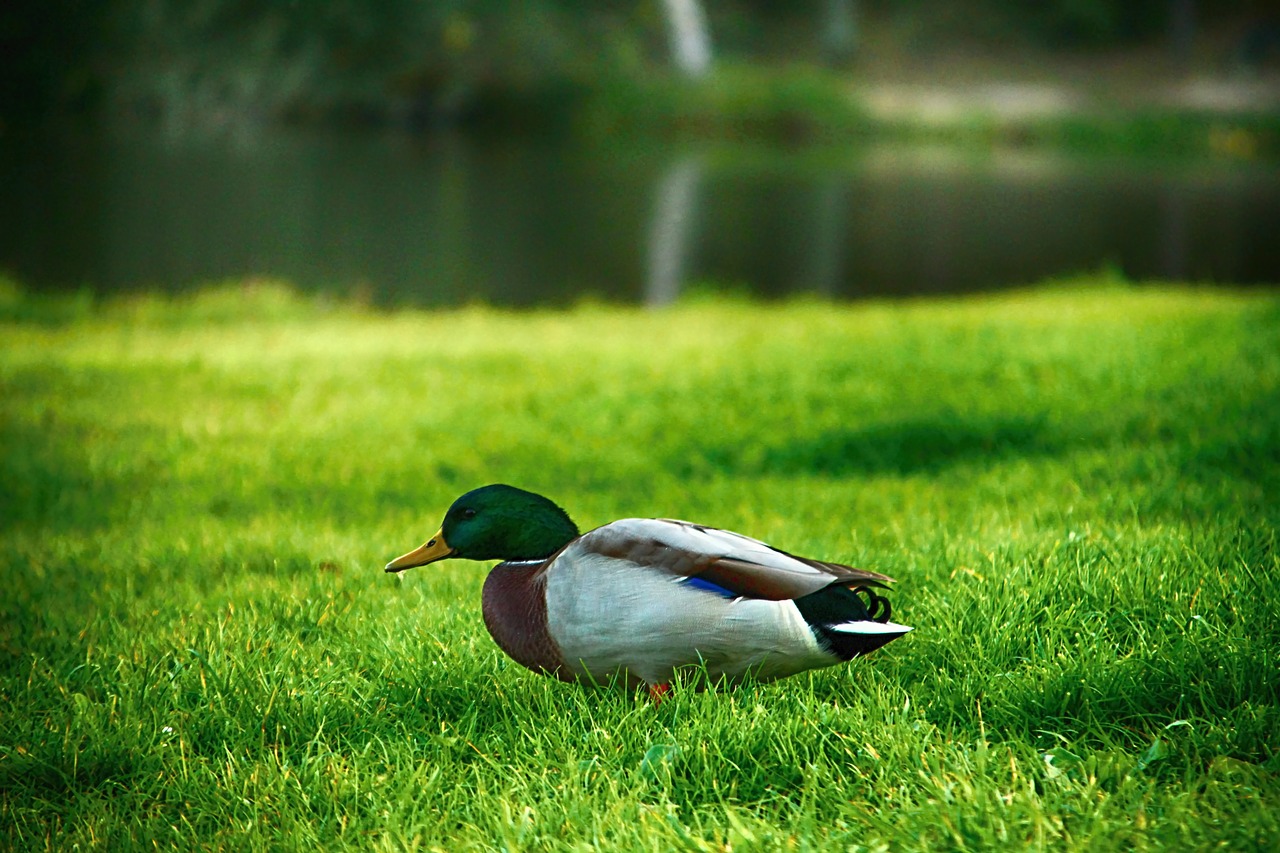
{"x":1237,"y":446}
{"x":1244,"y":450}
{"x":62,"y":467}
{"x":56,"y":778}
{"x":49,"y":482}
{"x":910,"y":446}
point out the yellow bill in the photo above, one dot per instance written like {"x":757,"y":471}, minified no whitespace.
{"x":434,"y":549}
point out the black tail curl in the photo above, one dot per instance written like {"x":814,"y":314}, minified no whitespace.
{"x":878,"y":609}
{"x":838,"y":605}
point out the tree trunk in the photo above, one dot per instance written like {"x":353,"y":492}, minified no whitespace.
{"x":690,"y":39}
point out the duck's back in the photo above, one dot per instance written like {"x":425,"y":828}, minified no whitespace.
{"x":632,"y":599}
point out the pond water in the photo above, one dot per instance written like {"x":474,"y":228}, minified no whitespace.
{"x":447,"y":219}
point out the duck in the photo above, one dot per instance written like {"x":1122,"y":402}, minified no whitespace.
{"x":640,"y":600}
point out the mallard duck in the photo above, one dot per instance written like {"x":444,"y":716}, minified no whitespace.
{"x":636,"y":600}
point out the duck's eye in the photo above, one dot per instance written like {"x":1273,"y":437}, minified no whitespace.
{"x":468,"y":513}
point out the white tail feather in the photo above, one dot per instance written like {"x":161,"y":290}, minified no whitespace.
{"x":868,"y":627}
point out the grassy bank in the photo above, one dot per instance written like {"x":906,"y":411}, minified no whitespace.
{"x":1075,"y":486}
{"x":810,"y":104}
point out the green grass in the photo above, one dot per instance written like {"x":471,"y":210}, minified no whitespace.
{"x":738,"y":102}
{"x":1077,"y":486}
{"x":814,"y":105}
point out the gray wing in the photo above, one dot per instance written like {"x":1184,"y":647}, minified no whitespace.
{"x":737,"y":563}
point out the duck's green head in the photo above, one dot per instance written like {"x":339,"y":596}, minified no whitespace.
{"x":495,"y":523}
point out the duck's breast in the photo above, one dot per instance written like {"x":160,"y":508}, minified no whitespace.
{"x":515,"y":612}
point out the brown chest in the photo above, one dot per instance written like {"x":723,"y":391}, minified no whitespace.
{"x":515,"y":612}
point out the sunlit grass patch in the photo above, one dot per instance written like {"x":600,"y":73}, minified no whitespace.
{"x":1075,"y":487}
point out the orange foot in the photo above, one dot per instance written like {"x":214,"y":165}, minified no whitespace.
{"x":657,"y":691}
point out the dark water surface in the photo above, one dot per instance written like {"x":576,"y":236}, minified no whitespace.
{"x":443,"y":220}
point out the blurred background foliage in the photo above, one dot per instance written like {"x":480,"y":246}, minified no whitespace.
{"x":457,"y":61}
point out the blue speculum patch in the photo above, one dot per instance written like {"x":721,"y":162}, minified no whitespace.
{"x":708,"y":586}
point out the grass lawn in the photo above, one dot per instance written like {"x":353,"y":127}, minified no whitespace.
{"x":1077,"y":487}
